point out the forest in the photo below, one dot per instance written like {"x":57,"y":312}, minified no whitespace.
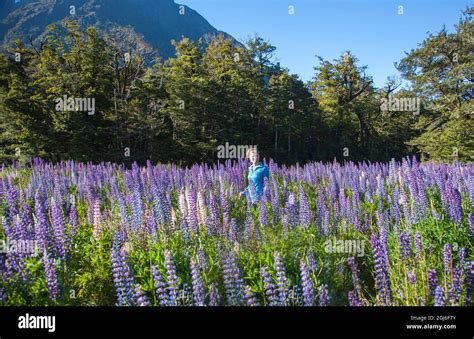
{"x":182,"y":109}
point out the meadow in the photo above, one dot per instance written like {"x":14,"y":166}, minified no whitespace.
{"x":164,"y":235}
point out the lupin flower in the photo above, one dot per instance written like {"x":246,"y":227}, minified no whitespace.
{"x":73,"y":218}
{"x":470,"y":283}
{"x":439,"y":298}
{"x":173,"y":284}
{"x":456,"y":286}
{"x":233,"y":231}
{"x":292,"y":210}
{"x":160,"y":287}
{"x":275,"y":202}
{"x":355,"y":274}
{"x":323,"y":297}
{"x":201,"y":208}
{"x":97,"y":220}
{"x":307,"y":284}
{"x":282,"y":281}
{"x":262,"y":211}
{"x":250,"y":299}
{"x":412,"y":277}
{"x":418,"y":245}
{"x":233,"y":282}
{"x":140,"y":296}
{"x":214,"y":296}
{"x":404,"y":245}
{"x":191,"y":209}
{"x":381,"y":273}
{"x":213,"y":219}
{"x":353,"y":300}
{"x":432,"y":281}
{"x":59,"y":229}
{"x":447,"y":258}
{"x":41,"y":223}
{"x":305,"y":210}
{"x":122,"y":274}
{"x":199,"y":293}
{"x":270,"y":288}
{"x":51,"y":277}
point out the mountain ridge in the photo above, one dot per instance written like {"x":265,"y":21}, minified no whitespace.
{"x":156,"y":22}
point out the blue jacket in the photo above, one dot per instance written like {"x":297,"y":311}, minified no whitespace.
{"x":256,"y":175}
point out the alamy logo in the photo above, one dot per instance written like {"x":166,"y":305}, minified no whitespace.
{"x":348,"y":246}
{"x":400,"y":105}
{"x":72,"y":104}
{"x":37,"y":322}
{"x":234,"y":151}
{"x":19,"y":246}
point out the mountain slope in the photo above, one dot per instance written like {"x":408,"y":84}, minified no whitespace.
{"x":155,"y":22}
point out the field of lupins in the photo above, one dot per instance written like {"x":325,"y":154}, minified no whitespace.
{"x":161,"y":235}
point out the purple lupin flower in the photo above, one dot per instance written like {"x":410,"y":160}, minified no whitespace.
{"x":225,"y":209}
{"x":353,"y":300}
{"x":233,"y":231}
{"x":307,"y":284}
{"x":456,"y":289}
{"x":282,"y":281}
{"x":250,"y":299}
{"x":275,"y":202}
{"x":160,"y":287}
{"x":462,"y":258}
{"x":96,"y":220}
{"x":470,"y":188}
{"x":432,"y":281}
{"x":192,"y":209}
{"x":41,"y":223}
{"x":439,"y":298}
{"x":202,"y":261}
{"x":51,"y":277}
{"x":59,"y":229}
{"x":296,"y":296}
{"x":201,"y":207}
{"x":140,"y":296}
{"x":404,"y":245}
{"x":380,"y":269}
{"x":73,"y":218}
{"x":292,"y":210}
{"x":262,"y":210}
{"x":233,"y":282}
{"x":412,"y":277}
{"x":418,"y":245}
{"x":355,"y":274}
{"x":172,"y":277}
{"x":270,"y":288}
{"x":312,"y":262}
{"x":186,"y":296}
{"x":384,"y":246}
{"x":305,"y":210}
{"x":447,"y":258}
{"x":213,"y":219}
{"x":323,"y":297}
{"x":199,"y":293}
{"x":470,"y":283}
{"x":248,"y":224}
{"x":214,"y":296}
{"x":122,"y":275}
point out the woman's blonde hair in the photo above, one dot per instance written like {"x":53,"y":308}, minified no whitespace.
{"x":252,"y":150}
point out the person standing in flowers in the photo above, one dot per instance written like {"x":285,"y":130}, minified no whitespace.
{"x":257,"y":172}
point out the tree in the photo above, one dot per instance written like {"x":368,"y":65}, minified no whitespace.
{"x":441,"y":73}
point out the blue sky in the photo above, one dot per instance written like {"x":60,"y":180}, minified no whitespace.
{"x":371,"y":29}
